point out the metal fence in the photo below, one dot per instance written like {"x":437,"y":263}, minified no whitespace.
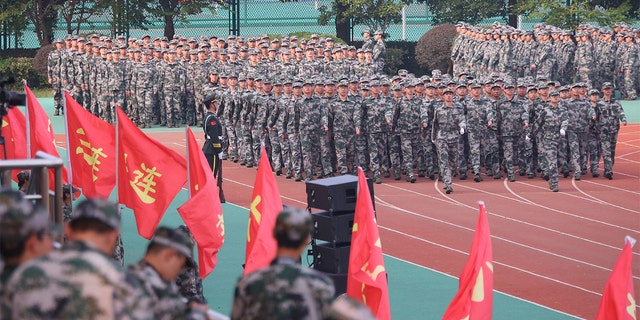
{"x":267,"y":17}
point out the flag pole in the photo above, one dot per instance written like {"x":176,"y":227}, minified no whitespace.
{"x":66,"y":129}
{"x":117,"y":158}
{"x":28,"y":123}
{"x":186,"y":134}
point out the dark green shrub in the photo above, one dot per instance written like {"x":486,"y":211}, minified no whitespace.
{"x":433,"y":50}
{"x":21,"y":68}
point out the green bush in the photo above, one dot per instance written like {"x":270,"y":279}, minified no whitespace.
{"x":433,"y":50}
{"x":21,"y":68}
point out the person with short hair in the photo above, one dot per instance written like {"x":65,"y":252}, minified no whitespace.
{"x":285,"y":289}
{"x":25,"y":233}
{"x":212,"y":148}
{"x":168,"y":253}
{"x":80,"y":281}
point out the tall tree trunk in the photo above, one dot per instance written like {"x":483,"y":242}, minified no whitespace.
{"x":513,"y":19}
{"x":169,"y":27}
{"x":343,"y":30}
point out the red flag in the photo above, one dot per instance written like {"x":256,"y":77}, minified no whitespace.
{"x":149,"y":175}
{"x":474,"y":299}
{"x":203,"y":212}
{"x":92,"y":150}
{"x":14,"y":129}
{"x":41,"y":133}
{"x":265,"y":207}
{"x":618,"y":300}
{"x":367,"y":276}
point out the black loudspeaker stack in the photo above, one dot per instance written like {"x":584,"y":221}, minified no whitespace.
{"x":331,"y":240}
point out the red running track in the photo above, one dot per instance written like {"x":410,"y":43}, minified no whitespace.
{"x":554,"y":249}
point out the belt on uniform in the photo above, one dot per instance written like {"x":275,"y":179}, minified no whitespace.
{"x":217,"y":145}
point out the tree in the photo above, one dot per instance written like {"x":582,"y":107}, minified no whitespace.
{"x":41,"y":13}
{"x":569,"y":14}
{"x":77,"y":12}
{"x":127,"y":14}
{"x":171,"y":11}
{"x":375,"y":14}
{"x":470,"y":11}
{"x":12,"y":20}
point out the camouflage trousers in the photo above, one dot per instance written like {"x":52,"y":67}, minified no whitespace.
{"x":259,"y":138}
{"x":118,"y":251}
{"x":377,"y":150}
{"x":410,"y":150}
{"x":232,"y":140}
{"x":593,"y":151}
{"x":608,"y":139}
{"x":447,"y":159}
{"x":551,"y":144}
{"x":104,"y":107}
{"x":57,"y":94}
{"x":492,"y":152}
{"x":172,"y":101}
{"x":144,"y":102}
{"x":310,"y":145}
{"x":629,"y":85}
{"x":361,"y":154}
{"x":463,"y":151}
{"x":395,"y":152}
{"x":541,"y":155}
{"x":159,"y":109}
{"x":509,"y":144}
{"x":525,"y":155}
{"x":327,"y":148}
{"x":295,"y":151}
{"x":245,"y":143}
{"x":276,"y":150}
{"x":582,"y":75}
{"x":188,"y":111}
{"x":475,"y":138}
{"x":345,"y":151}
{"x":429,"y":163}
{"x":578,"y":150}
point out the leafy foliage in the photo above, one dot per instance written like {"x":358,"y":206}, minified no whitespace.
{"x":471,"y":11}
{"x":569,"y":16}
{"x":21,"y":68}
{"x":375,"y":14}
{"x":433,"y":50}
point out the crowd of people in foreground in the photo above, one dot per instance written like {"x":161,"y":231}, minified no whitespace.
{"x":81,"y":280}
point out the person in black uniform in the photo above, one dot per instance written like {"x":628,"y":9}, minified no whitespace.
{"x":213,"y":145}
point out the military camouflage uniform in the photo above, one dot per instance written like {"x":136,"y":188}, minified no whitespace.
{"x":80,"y":282}
{"x":447,"y":123}
{"x":610,"y":114}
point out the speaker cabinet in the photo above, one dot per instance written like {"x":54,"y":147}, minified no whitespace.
{"x":332,"y":227}
{"x":335,"y":194}
{"x":331,"y":258}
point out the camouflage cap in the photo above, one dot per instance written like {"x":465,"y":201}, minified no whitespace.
{"x":447,"y":90}
{"x":19,"y":217}
{"x":594,"y":91}
{"x":607,"y":85}
{"x":347,"y":308}
{"x":67,"y":187}
{"x":297,"y":84}
{"x":103,"y":210}
{"x":293,"y":225}
{"x":554,"y":93}
{"x":396,"y":87}
{"x":176,"y":239}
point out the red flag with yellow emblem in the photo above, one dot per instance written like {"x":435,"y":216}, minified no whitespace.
{"x":203,"y":212}
{"x":41,"y":134}
{"x":92,"y":150}
{"x":618,"y":300}
{"x":474,"y":299}
{"x":266,"y":204}
{"x":367,"y":276}
{"x":14,"y":130}
{"x":150,"y":175}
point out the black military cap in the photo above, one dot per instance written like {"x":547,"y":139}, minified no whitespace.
{"x":210,"y":99}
